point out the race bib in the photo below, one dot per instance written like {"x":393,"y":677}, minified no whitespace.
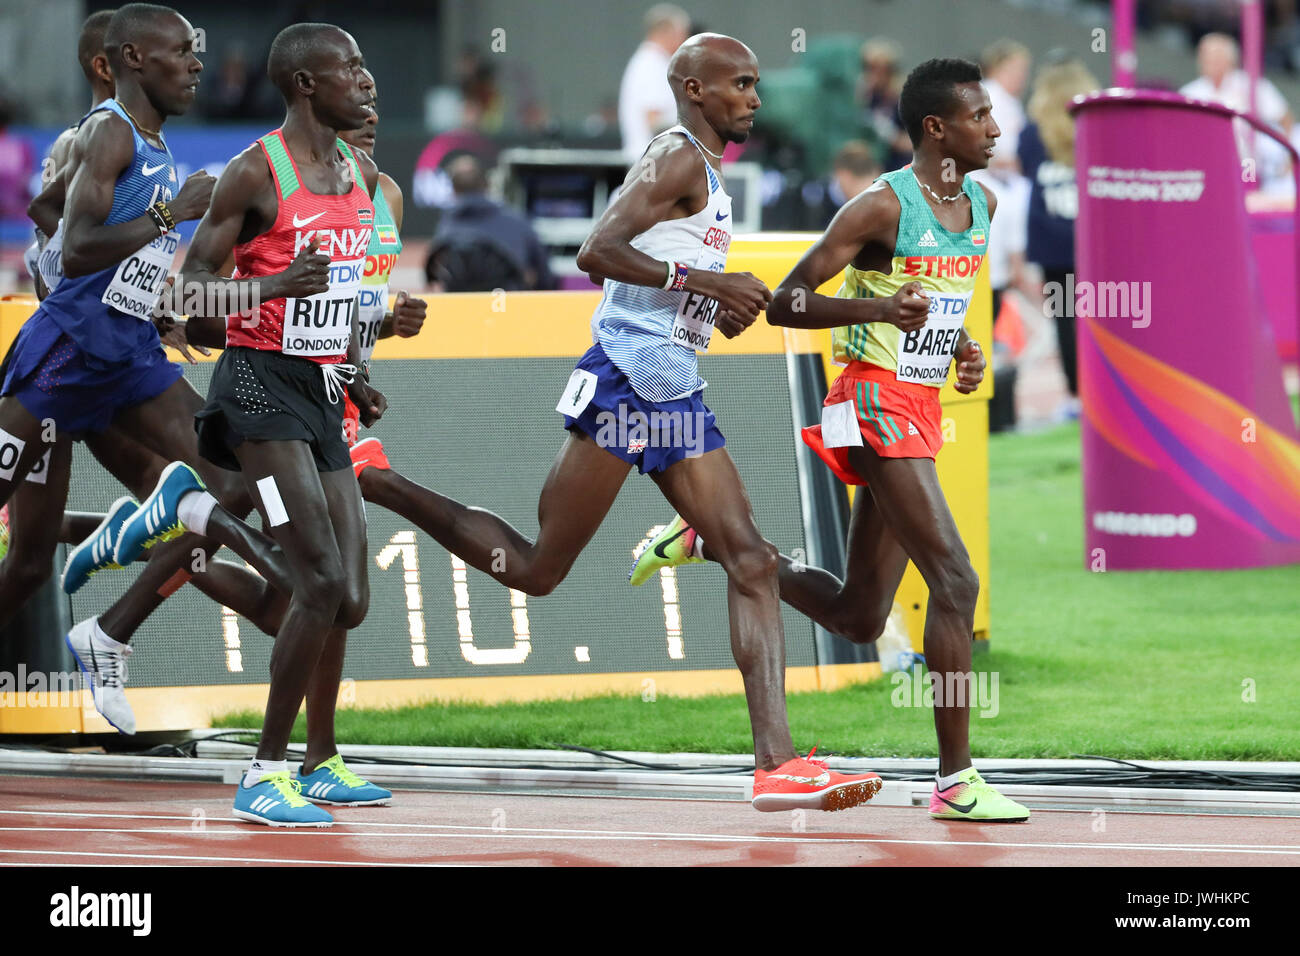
{"x":321,"y":324}
{"x":11,"y":449}
{"x":40,"y":472}
{"x":694,"y":322}
{"x":840,"y":426}
{"x":136,"y":284}
{"x":372,"y":306}
{"x":49,"y":261}
{"x":924,"y":354}
{"x":578,"y":393}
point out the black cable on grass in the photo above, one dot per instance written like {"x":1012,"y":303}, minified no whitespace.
{"x":668,"y":768}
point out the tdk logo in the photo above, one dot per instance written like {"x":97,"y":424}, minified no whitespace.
{"x":346,"y":272}
{"x":372,"y":296}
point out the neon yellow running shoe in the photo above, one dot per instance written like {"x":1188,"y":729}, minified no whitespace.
{"x":970,"y":798}
{"x":673,"y":546}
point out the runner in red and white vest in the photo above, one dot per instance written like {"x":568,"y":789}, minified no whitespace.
{"x":296,"y":210}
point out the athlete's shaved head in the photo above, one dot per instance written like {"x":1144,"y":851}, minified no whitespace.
{"x":300,"y":47}
{"x":713,"y":78}
{"x":91,"y":42}
{"x":133,"y":23}
{"x":703,"y":57}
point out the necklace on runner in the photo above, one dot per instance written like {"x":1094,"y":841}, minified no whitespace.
{"x":700,"y":144}
{"x":937,"y":197}
{"x":140,"y":126}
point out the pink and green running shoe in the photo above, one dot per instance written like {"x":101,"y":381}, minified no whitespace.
{"x":973,"y":799}
{"x":673,"y":546}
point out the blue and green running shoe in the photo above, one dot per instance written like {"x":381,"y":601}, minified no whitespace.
{"x":334,"y":784}
{"x":275,"y":801}
{"x":157,"y":520}
{"x":95,"y":554}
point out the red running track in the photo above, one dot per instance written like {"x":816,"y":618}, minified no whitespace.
{"x":46,"y":820}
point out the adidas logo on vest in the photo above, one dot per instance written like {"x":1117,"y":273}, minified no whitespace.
{"x":927,"y":240}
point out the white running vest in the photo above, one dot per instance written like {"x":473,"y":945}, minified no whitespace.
{"x":651,"y":334}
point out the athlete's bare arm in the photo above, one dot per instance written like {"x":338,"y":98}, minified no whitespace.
{"x":244,"y":206}
{"x":108,"y":147}
{"x":864,"y":233}
{"x":970,"y":357}
{"x":46,"y":209}
{"x":407,"y":316}
{"x":677,"y":190}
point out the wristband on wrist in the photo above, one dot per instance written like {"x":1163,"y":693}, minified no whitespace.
{"x":668,"y":280}
{"x":164,"y":211}
{"x":158,"y":220}
{"x":679,"y":278}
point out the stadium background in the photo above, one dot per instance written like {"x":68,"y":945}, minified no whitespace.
{"x":413,"y":49}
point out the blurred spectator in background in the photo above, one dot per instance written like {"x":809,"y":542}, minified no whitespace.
{"x":1047,"y":157}
{"x":482,"y":105}
{"x":1006,"y":258}
{"x":230,"y":94}
{"x":1221,"y":81}
{"x":878,"y":89}
{"x":853,"y":169}
{"x":603,"y":121}
{"x":1005,"y":65}
{"x":17,"y":163}
{"x":1006,"y":71}
{"x":481,"y":244}
{"x":646,"y":106}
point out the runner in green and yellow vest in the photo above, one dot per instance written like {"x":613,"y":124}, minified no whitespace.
{"x":909,"y":249}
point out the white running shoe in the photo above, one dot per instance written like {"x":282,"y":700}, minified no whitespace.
{"x":105,"y":670}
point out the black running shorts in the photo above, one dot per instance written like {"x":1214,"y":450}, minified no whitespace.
{"x":259,"y":395}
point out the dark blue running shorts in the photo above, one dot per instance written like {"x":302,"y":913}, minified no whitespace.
{"x":650,"y":435}
{"x":54,"y":379}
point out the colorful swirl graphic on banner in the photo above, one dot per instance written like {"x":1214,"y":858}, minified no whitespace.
{"x":1196,"y":435}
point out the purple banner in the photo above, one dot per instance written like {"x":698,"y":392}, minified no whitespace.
{"x":1191,"y":455}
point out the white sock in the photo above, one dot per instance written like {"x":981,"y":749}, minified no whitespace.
{"x":697,"y":549}
{"x":107,"y":643}
{"x":259,"y":768}
{"x":943,"y":783}
{"x":194,"y":510}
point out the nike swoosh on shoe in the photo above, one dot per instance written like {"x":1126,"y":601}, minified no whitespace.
{"x":659,"y":548}
{"x":960,"y":808}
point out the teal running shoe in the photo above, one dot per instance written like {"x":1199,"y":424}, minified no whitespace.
{"x":95,"y":554}
{"x":334,"y":784}
{"x":276,"y":802}
{"x":157,"y":520}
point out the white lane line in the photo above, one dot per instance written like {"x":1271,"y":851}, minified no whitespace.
{"x":214,"y":859}
{"x":524,"y":833}
{"x":243,"y":827}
